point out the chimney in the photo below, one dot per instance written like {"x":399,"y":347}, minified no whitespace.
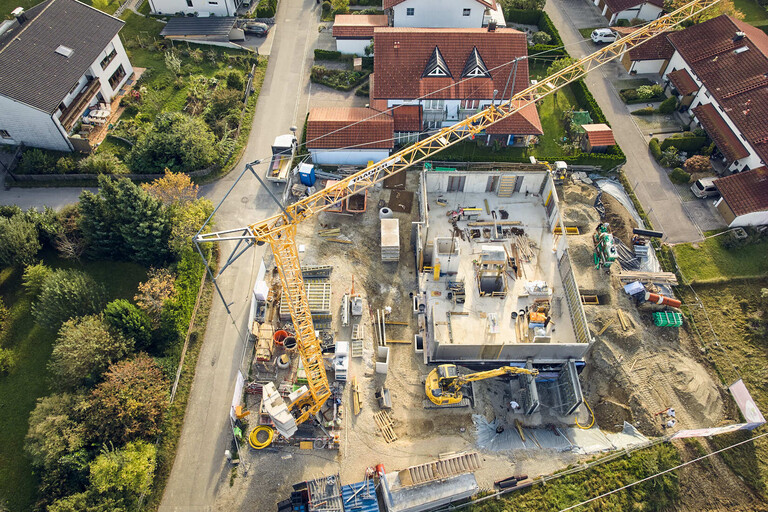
{"x":492,"y":26}
{"x":738,"y":36}
{"x":19,"y":14}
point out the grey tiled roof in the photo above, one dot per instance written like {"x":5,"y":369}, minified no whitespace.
{"x":31,"y":71}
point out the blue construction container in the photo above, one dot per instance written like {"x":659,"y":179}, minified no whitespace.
{"x":307,"y":174}
{"x":362,"y":501}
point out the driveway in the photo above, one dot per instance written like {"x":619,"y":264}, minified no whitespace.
{"x":657,"y":194}
{"x":200,"y":470}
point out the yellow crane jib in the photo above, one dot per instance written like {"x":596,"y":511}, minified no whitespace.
{"x":444,"y":385}
{"x":280,"y":230}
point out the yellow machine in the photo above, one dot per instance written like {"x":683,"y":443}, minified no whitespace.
{"x":445,"y":386}
{"x":279,"y":231}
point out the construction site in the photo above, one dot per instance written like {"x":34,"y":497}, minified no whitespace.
{"x":423,"y":331}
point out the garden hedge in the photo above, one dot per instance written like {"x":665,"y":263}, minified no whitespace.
{"x":338,"y":79}
{"x":585,"y":99}
{"x":548,"y":48}
{"x":539,"y":18}
{"x":653,"y":145}
{"x":688,"y":144}
{"x":327,"y":54}
{"x":266,"y":9}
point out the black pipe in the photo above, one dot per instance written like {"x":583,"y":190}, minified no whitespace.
{"x":647,"y":232}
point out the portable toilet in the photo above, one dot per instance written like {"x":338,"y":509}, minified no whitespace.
{"x":307,"y":174}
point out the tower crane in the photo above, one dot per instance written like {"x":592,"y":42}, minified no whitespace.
{"x":444,"y":385}
{"x":279,"y":230}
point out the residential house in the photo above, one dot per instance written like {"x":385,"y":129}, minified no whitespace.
{"x":615,"y":10}
{"x":719,"y":71}
{"x":348,"y":135}
{"x":449,"y":75}
{"x":354,"y":32}
{"x":597,"y":138}
{"x":202,"y":8}
{"x":744,"y":198}
{"x":443,"y":14}
{"x":56,"y":60}
{"x":650,"y":57}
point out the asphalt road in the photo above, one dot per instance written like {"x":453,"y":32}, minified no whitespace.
{"x":655,"y":191}
{"x":200,"y":467}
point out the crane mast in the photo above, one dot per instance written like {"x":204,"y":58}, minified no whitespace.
{"x":280,"y":230}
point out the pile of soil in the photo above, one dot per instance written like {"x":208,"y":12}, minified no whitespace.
{"x":619,"y":218}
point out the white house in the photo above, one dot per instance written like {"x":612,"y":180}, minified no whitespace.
{"x":450,"y":74}
{"x":443,"y":13}
{"x":744,"y":198}
{"x":720,"y":73}
{"x":202,"y":8}
{"x":650,"y":57}
{"x":354,"y":32}
{"x":615,"y":10}
{"x":57,"y":59}
{"x":348,"y":135}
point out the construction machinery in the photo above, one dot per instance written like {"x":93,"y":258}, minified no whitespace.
{"x":605,"y":248}
{"x":444,"y":385}
{"x":279,"y":230}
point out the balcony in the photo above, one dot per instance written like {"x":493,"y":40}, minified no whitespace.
{"x":72,"y":113}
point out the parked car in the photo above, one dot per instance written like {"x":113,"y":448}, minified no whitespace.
{"x":705,"y":187}
{"x":604,"y":35}
{"x":254,"y":28}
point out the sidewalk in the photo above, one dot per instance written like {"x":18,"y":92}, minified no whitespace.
{"x":651,"y":184}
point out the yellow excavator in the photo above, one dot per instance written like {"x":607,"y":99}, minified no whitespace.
{"x":445,"y":386}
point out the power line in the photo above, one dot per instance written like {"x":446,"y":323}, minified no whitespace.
{"x":662,"y":473}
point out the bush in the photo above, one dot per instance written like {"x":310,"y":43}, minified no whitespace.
{"x":235,"y":80}
{"x":177,"y":311}
{"x":687,"y":144}
{"x":541,"y":37}
{"x":7,"y":361}
{"x":34,"y":277}
{"x":698,"y":164}
{"x":699,"y":132}
{"x":38,"y":161}
{"x":326,"y":7}
{"x":545,"y":24}
{"x":628,"y":94}
{"x":266,"y":9}
{"x":679,"y":176}
{"x":671,"y":157}
{"x":130,"y":322}
{"x":177,"y":142}
{"x":19,"y":241}
{"x":340,"y":6}
{"x":622,"y":23}
{"x":653,"y":145}
{"x":321,"y":54}
{"x":102,"y":163}
{"x":645,"y":111}
{"x":668,"y":105}
{"x":649,"y":92}
{"x":337,"y":78}
{"x":65,"y":294}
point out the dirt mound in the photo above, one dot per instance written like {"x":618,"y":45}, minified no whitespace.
{"x":611,"y":415}
{"x":619,"y":218}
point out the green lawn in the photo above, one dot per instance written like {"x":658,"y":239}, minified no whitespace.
{"x":712,"y":261}
{"x":754,"y":13}
{"x":30,"y":380}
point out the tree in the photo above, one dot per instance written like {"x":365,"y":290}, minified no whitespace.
{"x":34,"y":277}
{"x":177,"y":142}
{"x":340,"y":6}
{"x":102,"y":163}
{"x":66,"y":294}
{"x":174,"y":188}
{"x":130,"y":403}
{"x":123,"y":221}
{"x":19,"y":243}
{"x":54,"y":430}
{"x":127,"y":472}
{"x":560,"y":64}
{"x":722,"y":7}
{"x":84,"y":349}
{"x":128,"y":321}
{"x":89,"y":501}
{"x":70,"y":242}
{"x":235,"y":80}
{"x":155,"y":291}
{"x":186,"y":222}
{"x":698,"y":163}
{"x":541,"y":38}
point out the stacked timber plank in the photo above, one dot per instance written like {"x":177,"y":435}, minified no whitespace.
{"x":439,"y":470}
{"x":648,"y":277}
{"x":390,"y":240}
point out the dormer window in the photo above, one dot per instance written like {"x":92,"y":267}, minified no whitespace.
{"x":475,"y":67}
{"x":436,"y":66}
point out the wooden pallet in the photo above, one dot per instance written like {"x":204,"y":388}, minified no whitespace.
{"x":386,"y":426}
{"x":357,"y":403}
{"x":439,"y":470}
{"x":356,"y":348}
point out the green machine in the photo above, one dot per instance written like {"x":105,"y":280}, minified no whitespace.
{"x":605,"y":250}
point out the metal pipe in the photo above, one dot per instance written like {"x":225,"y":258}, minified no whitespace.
{"x":655,"y":298}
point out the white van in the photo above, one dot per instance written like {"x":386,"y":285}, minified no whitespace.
{"x":604,"y":35}
{"x":705,"y":187}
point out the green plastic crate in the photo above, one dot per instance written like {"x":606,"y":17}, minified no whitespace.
{"x":665,"y":319}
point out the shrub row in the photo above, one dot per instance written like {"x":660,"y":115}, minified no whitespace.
{"x":585,"y":99}
{"x":177,"y":311}
{"x":321,"y":54}
{"x":545,"y":25}
{"x":341,"y":80}
{"x":539,"y":18}
{"x":631,"y":97}
{"x":655,"y":148}
{"x":266,"y":9}
{"x":550,"y":49}
{"x":688,"y":144}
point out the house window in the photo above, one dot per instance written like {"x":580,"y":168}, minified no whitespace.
{"x":470,"y":104}
{"x":4,"y":134}
{"x":434,"y":104}
{"x":74,"y":88}
{"x":109,"y":58}
{"x":189,"y":3}
{"x":409,"y":11}
{"x":466,"y":12}
{"x":117,"y":76}
{"x":432,"y":125}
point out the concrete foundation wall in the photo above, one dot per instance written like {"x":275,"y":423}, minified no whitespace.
{"x":513,"y":353}
{"x":476,"y":182}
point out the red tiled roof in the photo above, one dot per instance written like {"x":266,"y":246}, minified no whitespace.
{"x":403,"y":53}
{"x":616,"y":6}
{"x":388,"y":4}
{"x":358,"y":26}
{"x":727,"y":142}
{"x":524,"y":122}
{"x":745,"y":192}
{"x":599,"y":134}
{"x":380,"y":105}
{"x":736,"y":80}
{"x":407,"y":118}
{"x":656,"y":48}
{"x":356,"y":128}
{"x":683,"y":82}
